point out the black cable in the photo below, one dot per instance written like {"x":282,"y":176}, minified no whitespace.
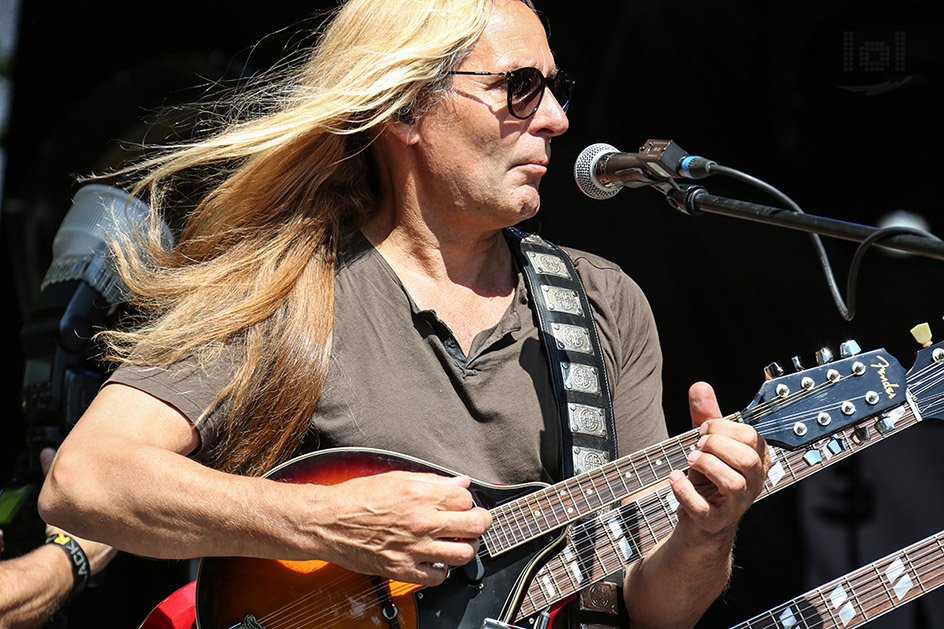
{"x":846,"y":307}
{"x":870,"y":240}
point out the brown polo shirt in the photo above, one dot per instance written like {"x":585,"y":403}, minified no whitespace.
{"x":398,"y":380}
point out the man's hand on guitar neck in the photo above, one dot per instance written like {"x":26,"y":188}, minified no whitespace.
{"x":682,"y":576}
{"x":727,"y":470}
{"x":401,"y":525}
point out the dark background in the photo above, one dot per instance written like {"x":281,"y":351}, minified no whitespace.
{"x":772,"y":89}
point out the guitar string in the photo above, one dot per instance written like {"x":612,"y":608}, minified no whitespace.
{"x":589,"y":536}
{"x":555,"y":565}
{"x":652,"y":509}
{"x":369,"y":591}
{"x":306,"y":620}
{"x":663,"y":531}
{"x":925,"y":560}
{"x":513,"y":508}
{"x":760,"y":411}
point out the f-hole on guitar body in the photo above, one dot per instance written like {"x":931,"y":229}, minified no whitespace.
{"x":282,"y":594}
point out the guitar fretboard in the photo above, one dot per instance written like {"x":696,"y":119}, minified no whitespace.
{"x":545,"y":510}
{"x":865,"y":594}
{"x":789,"y":416}
{"x":605,"y":544}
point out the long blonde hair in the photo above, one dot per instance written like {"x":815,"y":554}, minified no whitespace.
{"x":253,"y":273}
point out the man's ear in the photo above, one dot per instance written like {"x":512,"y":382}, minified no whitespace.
{"x":403,"y":126}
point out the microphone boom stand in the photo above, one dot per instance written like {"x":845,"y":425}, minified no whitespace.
{"x":694,"y":200}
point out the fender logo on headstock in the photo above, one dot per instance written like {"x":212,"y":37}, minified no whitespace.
{"x":886,"y":383}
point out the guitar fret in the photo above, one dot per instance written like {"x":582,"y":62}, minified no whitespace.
{"x":605,"y":493}
{"x":529,"y":601}
{"x":588,"y":490}
{"x":613,"y":531}
{"x":855,"y":602}
{"x":500,"y":534}
{"x":571,"y":568}
{"x":885,"y":586}
{"x":523,"y":523}
{"x":780,"y":459}
{"x":827,"y":608}
{"x":913,"y":571}
{"x":670,"y":516}
{"x":543,"y":509}
{"x":665,"y":463}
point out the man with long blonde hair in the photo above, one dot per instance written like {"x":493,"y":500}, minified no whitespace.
{"x":345,"y":281}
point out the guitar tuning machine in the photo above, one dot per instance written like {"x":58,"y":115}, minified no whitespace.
{"x":849,"y":349}
{"x":823,"y":356}
{"x":797,"y":363}
{"x":922,"y":334}
{"x":773,"y":370}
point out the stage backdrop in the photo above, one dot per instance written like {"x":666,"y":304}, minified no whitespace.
{"x":835,"y":103}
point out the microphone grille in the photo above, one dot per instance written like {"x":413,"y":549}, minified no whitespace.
{"x":584,"y":171}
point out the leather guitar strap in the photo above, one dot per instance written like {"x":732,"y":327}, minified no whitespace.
{"x":580,"y":383}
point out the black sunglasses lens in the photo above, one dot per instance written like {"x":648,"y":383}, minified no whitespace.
{"x":562,"y":87}
{"x":525,"y":87}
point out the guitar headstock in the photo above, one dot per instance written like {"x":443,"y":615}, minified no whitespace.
{"x":926,"y":375}
{"x":795,"y":410}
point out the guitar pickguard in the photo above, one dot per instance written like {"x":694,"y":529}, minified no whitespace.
{"x":488,"y":587}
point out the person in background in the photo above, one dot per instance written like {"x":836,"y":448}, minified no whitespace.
{"x":35,"y":585}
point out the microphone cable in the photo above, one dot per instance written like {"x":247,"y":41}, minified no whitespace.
{"x":847,"y":306}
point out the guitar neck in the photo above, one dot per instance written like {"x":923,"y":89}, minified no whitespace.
{"x":792,"y":411}
{"x":518,"y":521}
{"x":604,"y":545}
{"x":865,"y":594}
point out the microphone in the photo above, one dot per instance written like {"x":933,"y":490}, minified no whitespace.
{"x":601,"y":170}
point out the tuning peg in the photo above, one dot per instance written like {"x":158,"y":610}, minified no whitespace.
{"x":922,"y":334}
{"x":849,"y":348}
{"x":797,"y":363}
{"x":773,"y":370}
{"x":823,"y":356}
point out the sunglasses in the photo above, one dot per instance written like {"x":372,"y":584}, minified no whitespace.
{"x":526,"y":89}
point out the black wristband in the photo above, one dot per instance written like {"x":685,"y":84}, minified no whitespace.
{"x":81,"y":571}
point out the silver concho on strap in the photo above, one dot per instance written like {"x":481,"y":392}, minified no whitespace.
{"x":582,"y":378}
{"x":600,"y":597}
{"x":572,"y":338}
{"x":587,"y":420}
{"x":548,"y":264}
{"x":586,"y":459}
{"x":561,"y":300}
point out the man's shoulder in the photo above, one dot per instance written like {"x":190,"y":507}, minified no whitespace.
{"x":601,"y":273}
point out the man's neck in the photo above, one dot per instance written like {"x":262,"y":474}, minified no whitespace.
{"x":468,"y":280}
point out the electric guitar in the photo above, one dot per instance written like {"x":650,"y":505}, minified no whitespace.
{"x":603,"y":545}
{"x":530,"y":521}
{"x":865,"y":594}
